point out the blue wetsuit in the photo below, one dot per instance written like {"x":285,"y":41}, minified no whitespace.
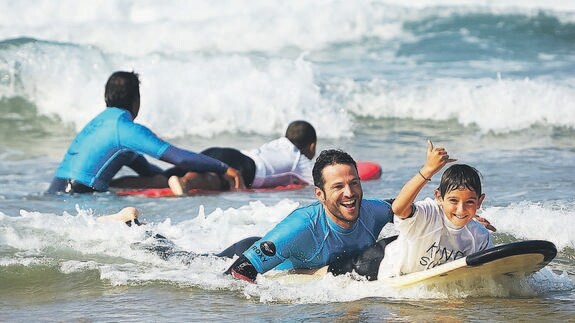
{"x":112,"y":140}
{"x":308,"y":238}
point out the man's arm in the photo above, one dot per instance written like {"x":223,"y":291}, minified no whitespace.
{"x":144,"y":168}
{"x":190,"y":161}
{"x":275,"y":247}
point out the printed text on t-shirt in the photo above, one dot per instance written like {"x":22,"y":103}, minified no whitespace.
{"x":437,"y":255}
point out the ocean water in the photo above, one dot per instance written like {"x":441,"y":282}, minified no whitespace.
{"x":492,"y":81}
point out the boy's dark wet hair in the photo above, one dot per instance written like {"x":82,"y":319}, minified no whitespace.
{"x":122,"y":88}
{"x":301,"y":134}
{"x":460,"y":176}
{"x":326,"y":158}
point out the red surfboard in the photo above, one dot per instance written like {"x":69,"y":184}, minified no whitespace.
{"x":367,"y":171}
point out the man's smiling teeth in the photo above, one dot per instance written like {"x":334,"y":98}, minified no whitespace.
{"x":460,"y":216}
{"x":348,"y":203}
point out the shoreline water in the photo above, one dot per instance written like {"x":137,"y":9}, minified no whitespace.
{"x":492,"y":83}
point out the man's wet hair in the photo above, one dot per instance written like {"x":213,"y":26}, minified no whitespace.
{"x":327,"y":158}
{"x":301,"y":134}
{"x":460,"y":176}
{"x":122,"y":88}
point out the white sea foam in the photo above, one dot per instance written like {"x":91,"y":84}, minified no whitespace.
{"x":533,"y":221}
{"x":497,"y":104}
{"x":120,"y":26}
{"x":35,"y":233}
{"x":229,"y":66}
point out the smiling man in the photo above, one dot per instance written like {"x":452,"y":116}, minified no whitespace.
{"x":339,"y":225}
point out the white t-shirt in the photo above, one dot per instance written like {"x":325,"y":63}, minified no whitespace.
{"x":279,"y":162}
{"x":428,"y":239}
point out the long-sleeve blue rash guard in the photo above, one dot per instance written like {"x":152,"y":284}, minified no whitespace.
{"x":308,"y":238}
{"x":112,"y":140}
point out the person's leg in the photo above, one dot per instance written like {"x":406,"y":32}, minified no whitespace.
{"x":127,"y":215}
{"x":174,"y":171}
{"x":191,"y":180}
{"x":157,"y":181}
{"x":235,"y":159}
{"x":180,"y":185}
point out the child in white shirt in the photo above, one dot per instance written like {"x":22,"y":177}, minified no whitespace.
{"x":435,"y":231}
{"x":286,"y":160}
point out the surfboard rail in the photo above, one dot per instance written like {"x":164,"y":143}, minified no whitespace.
{"x":521,"y":258}
{"x":543,"y":247}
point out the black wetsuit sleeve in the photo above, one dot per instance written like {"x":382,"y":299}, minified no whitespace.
{"x":144,"y":168}
{"x":238,"y":248}
{"x":390,"y":201}
{"x":243,"y":269}
{"x":366,"y":263}
{"x":192,"y":162}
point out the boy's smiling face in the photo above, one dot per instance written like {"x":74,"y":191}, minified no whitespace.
{"x":459,"y":205}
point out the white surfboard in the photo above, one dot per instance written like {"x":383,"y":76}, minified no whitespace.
{"x":516,"y":259}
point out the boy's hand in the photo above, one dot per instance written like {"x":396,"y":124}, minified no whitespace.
{"x":437,"y":157}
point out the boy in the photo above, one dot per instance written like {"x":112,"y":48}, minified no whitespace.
{"x":283,"y":161}
{"x":433,"y":232}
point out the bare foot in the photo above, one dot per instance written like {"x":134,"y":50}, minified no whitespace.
{"x":177,"y":185}
{"x":127,"y":214}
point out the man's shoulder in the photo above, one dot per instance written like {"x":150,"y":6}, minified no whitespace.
{"x":376,"y":209}
{"x":375,"y":203}
{"x":310,"y":209}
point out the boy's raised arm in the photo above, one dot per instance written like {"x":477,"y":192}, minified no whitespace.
{"x":437,"y":157}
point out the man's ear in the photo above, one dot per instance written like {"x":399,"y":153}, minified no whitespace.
{"x":319,"y":194}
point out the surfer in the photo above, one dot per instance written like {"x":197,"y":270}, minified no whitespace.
{"x":340,"y":223}
{"x":112,"y":140}
{"x":283,"y":161}
{"x":436,"y":231}
{"x":432,"y":231}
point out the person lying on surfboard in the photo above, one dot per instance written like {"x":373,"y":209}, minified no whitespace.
{"x":432,"y":231}
{"x":112,"y":140}
{"x":341,"y":222}
{"x":339,"y":230}
{"x":284,"y":161}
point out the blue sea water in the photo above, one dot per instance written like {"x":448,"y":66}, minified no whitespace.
{"x":492,"y":81}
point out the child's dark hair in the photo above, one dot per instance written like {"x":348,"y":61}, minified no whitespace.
{"x":326,"y":158}
{"x":301,"y":134}
{"x":460,"y":176}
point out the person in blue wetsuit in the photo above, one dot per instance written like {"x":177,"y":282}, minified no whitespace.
{"x":112,"y":140}
{"x":339,"y":225}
